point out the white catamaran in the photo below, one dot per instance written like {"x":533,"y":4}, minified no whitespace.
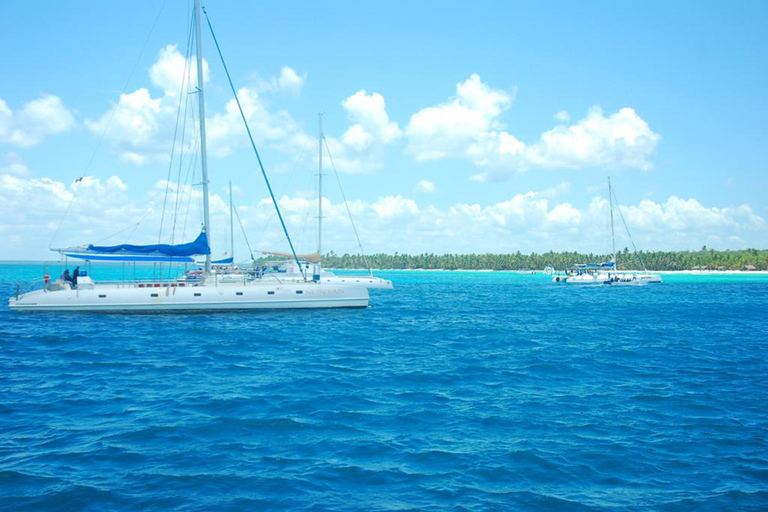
{"x":607,"y":273}
{"x":208,"y":289}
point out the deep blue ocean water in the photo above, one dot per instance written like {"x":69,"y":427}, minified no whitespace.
{"x":457,"y":390}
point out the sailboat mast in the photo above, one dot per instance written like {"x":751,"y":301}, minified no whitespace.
{"x":231,"y":225}
{"x":203,"y":149}
{"x":613,"y":236}
{"x":320,"y":186}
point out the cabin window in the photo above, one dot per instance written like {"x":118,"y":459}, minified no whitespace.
{"x":239,"y":293}
{"x":299,"y":292}
{"x":197,"y":295}
{"x":154,"y":295}
{"x":270,"y":293}
{"x":102,"y":296}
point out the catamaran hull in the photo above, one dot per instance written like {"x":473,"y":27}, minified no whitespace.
{"x":194,"y":298}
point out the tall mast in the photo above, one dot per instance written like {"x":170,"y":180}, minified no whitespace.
{"x":231,"y":225}
{"x":613,"y":237}
{"x":203,"y":149}
{"x":320,"y":187}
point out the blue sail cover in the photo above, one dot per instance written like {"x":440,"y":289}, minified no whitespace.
{"x":224,"y":261}
{"x":130,"y":257}
{"x":199,"y":246}
{"x":607,"y":264}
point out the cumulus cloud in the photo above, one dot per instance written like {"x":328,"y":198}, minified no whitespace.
{"x":361,"y":146}
{"x":290,"y":80}
{"x":456,"y":127}
{"x":622,"y":139}
{"x":530,"y":221}
{"x":470,"y":126}
{"x":424,"y":187}
{"x":13,"y":164}
{"x":29,"y":125}
{"x":142,"y":126}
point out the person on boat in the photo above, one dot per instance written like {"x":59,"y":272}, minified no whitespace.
{"x":66,"y":277}
{"x":75,"y":275}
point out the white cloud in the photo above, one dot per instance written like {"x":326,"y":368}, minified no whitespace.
{"x":622,"y":139}
{"x":172,"y":70}
{"x":455,"y":127}
{"x":13,"y":164}
{"x":369,"y":111}
{"x":469,"y":126}
{"x":142,"y":126}
{"x":35,"y":120}
{"x":290,"y":80}
{"x":226,"y":131}
{"x":531,"y":221}
{"x":424,"y":187}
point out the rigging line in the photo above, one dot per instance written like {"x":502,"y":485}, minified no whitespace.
{"x":346,"y":203}
{"x":137,"y":225}
{"x":118,"y":232}
{"x":242,"y":228}
{"x":183,"y":138}
{"x":285,"y":187}
{"x":127,"y":82}
{"x":175,"y":134}
{"x":189,"y":179}
{"x":253,"y":144}
{"x":637,"y":255}
{"x":109,"y":121}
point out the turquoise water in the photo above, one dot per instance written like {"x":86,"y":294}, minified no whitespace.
{"x":466,"y":391}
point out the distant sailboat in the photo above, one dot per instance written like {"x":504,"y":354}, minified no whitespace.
{"x":314,"y":262}
{"x":203,"y":290}
{"x":607,"y":273}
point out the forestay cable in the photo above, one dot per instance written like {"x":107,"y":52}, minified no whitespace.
{"x":253,"y":145}
{"x":346,"y":203}
{"x":637,"y":254}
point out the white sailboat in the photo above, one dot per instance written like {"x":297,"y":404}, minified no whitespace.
{"x":206,"y":291}
{"x":314,"y":262}
{"x":607,"y":273}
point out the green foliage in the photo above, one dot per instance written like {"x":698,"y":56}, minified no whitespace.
{"x":653,"y":260}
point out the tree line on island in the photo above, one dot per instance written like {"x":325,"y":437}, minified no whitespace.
{"x":705,"y":259}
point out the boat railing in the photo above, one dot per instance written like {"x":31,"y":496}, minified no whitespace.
{"x":148,"y":283}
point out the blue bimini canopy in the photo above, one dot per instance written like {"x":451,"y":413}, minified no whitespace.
{"x":199,"y":246}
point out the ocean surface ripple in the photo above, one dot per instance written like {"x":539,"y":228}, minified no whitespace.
{"x":461,"y":391}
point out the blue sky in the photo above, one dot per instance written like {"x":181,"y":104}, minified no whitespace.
{"x":456,"y":128}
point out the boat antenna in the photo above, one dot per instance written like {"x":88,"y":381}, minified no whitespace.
{"x":253,"y":144}
{"x":320,"y":188}
{"x":203,"y":149}
{"x":613,"y":237}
